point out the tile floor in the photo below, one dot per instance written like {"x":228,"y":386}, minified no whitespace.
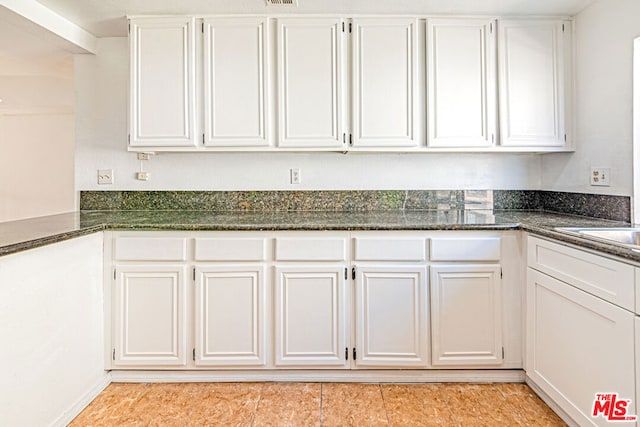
{"x":313,"y":404}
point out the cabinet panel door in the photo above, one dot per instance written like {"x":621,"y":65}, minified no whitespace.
{"x":391,"y":316}
{"x":310,"y":102}
{"x":162,"y":82}
{"x":577,"y":345}
{"x":384,"y":82}
{"x":310,"y":316}
{"x":235,"y":82}
{"x":461,"y":82}
{"x":229,"y":318}
{"x":533,"y":72}
{"x":149,"y":314}
{"x":466,"y":315}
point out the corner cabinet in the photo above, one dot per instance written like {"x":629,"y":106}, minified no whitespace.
{"x":535,"y":66}
{"x":360,"y":83}
{"x":305,"y":301}
{"x":162,"y":83}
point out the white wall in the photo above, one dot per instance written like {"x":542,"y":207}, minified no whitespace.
{"x":52,"y":331}
{"x":101,"y":132}
{"x":36,"y":135}
{"x":604,"y":56}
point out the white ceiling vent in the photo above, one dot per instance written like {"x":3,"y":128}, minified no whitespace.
{"x":282,"y":2}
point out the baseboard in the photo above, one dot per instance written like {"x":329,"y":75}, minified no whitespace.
{"x":363,"y":376}
{"x":72,"y":412}
{"x":551,"y":403}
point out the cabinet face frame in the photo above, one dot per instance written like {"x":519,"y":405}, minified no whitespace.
{"x":286,"y":31}
{"x":454,"y":31}
{"x":559,"y":38}
{"x":260,"y":27}
{"x":368,"y":355}
{"x":362,"y":137}
{"x":205,"y":355}
{"x":176,"y":355}
{"x":491,"y":351}
{"x":187,"y":137}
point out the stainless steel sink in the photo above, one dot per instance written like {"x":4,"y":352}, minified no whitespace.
{"x":625,"y":236}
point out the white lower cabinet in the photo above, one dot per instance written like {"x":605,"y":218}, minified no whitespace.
{"x":578,"y":344}
{"x":391,"y":317}
{"x":310,"y":316}
{"x":309,"y":300}
{"x":149,"y":323}
{"x":229,"y":316}
{"x":466,"y":315}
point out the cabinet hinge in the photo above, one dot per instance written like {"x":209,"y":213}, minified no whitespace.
{"x":563,"y":28}
{"x":114,"y":274}
{"x":345,"y":273}
{"x":203,"y":139}
{"x":203,"y":28}
{"x":501,"y":272}
{"x":129,"y":28}
{"x":350,"y":139}
{"x":502,"y":353}
{"x":353,"y":273}
{"x":354,"y":353}
{"x":565,"y":137}
{"x":349,"y":26}
{"x":343,"y":27}
{"x":194,"y":274}
{"x":346,"y":353}
{"x":113,"y":355}
{"x":194,"y":354}
{"x":491,"y":27}
{"x":129,"y":138}
{"x":493,"y":138}
{"x":344,"y":138}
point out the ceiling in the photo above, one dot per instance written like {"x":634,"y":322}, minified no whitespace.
{"x":106,"y":18}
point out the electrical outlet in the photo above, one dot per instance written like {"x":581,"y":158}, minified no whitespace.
{"x":142,"y":176}
{"x":144,"y":156}
{"x":600,"y":176}
{"x":105,"y":176}
{"x":296,"y":177}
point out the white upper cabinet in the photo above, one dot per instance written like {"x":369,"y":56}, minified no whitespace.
{"x":384,"y":82}
{"x":235,"y":82}
{"x":534,"y":59}
{"x":461,"y":82}
{"x":310,"y":95}
{"x":162,"y":83}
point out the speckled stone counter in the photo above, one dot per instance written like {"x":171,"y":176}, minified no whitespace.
{"x":28,"y":234}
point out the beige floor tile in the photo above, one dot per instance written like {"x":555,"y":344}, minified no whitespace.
{"x":289,"y":404}
{"x":223,"y":404}
{"x":116,"y":398}
{"x":415,"y":405}
{"x":353,"y":405}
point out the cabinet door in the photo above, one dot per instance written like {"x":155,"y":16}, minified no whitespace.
{"x":466,"y":315}
{"x":310,"y":78}
{"x":384,"y":82}
{"x":535,"y":71}
{"x":149,"y":316}
{"x":162,"y":83}
{"x":461,"y":81}
{"x":391,"y":316}
{"x":229,"y":317}
{"x":310,"y":316}
{"x":235,"y":82}
{"x":577,"y":345}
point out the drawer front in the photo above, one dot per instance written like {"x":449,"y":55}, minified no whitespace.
{"x":465,"y":249}
{"x":230,"y":249}
{"x":150,"y":249}
{"x":610,"y":280}
{"x":311,"y":249}
{"x":372,"y":249}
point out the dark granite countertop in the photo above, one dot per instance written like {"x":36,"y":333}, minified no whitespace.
{"x":27,"y":234}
